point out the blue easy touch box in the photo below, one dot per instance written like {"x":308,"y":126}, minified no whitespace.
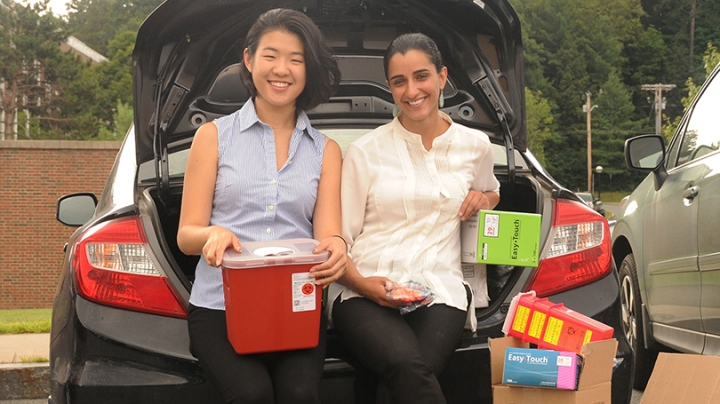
{"x":541,"y":368}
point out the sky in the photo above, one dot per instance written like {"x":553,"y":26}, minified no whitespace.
{"x":57,"y":6}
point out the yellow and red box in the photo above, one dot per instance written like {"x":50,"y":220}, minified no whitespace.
{"x":552,"y":325}
{"x":271,"y":303}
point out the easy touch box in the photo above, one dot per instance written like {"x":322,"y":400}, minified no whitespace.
{"x":594,"y":383}
{"x":271,"y":303}
{"x":501,"y":238}
{"x":541,"y":368}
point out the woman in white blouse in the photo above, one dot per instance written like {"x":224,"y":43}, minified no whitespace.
{"x":405,"y":188}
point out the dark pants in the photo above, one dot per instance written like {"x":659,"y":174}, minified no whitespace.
{"x":405,"y":352}
{"x":291,"y":377}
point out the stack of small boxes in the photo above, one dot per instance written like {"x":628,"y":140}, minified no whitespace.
{"x":573,"y":362}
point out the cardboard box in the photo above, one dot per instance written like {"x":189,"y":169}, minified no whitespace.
{"x":683,"y":378}
{"x":594,"y":386}
{"x":501,"y":238}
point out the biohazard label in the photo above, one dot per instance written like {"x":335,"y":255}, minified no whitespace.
{"x":521,"y":317}
{"x":303,"y":290}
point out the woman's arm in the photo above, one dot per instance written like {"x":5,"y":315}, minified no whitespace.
{"x":326,"y":218}
{"x":476,"y":200}
{"x":195,"y":236}
{"x":485,"y":190}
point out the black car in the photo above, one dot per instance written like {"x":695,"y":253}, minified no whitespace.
{"x":119,"y":333}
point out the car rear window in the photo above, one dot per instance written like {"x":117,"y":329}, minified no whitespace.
{"x":344,"y":136}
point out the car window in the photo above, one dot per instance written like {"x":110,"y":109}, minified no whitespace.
{"x":702,"y":132}
{"x":178,"y":158}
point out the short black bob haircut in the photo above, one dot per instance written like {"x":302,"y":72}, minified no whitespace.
{"x":321,"y":69}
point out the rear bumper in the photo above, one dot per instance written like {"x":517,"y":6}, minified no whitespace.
{"x":90,"y":365}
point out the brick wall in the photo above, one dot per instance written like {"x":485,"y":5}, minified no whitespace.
{"x":33,"y":175}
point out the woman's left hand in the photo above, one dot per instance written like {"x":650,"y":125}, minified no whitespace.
{"x":474,"y":201}
{"x":336,"y":265}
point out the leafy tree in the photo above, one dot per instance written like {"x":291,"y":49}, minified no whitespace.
{"x":578,"y":47}
{"x":32,"y":61}
{"x":612,"y":124}
{"x":98,"y":22}
{"x":711,"y":58}
{"x":122,"y":120}
{"x":539,"y":123}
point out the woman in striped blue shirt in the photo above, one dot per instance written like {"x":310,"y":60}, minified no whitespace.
{"x":264,"y":173}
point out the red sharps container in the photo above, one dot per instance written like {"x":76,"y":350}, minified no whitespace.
{"x":271,"y":303}
{"x":550,"y":325}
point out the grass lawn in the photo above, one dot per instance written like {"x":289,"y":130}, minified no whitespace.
{"x":613,"y":196}
{"x":25,"y":321}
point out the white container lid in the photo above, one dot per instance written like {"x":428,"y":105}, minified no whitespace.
{"x":274,"y":253}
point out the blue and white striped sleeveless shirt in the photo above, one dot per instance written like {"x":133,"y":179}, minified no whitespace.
{"x":252,"y":198}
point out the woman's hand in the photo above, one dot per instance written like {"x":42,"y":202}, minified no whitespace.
{"x":474,"y":201}
{"x":375,"y":289}
{"x":219,"y":239}
{"x":336,"y":265}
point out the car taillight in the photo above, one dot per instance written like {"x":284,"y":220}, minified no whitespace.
{"x":579,"y":252}
{"x":112,"y":267}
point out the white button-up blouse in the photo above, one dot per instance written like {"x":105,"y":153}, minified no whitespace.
{"x":401,"y":204}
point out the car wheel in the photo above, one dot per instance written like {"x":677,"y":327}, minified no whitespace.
{"x":632,"y":323}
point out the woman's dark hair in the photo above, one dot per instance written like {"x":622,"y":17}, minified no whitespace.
{"x":321,"y":69}
{"x":415,"y":41}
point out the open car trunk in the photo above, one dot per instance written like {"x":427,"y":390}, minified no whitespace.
{"x":526,"y":197}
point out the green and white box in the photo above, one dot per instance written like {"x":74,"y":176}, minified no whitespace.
{"x":501,"y":238}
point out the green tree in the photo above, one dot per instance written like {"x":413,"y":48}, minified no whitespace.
{"x":612,"y":124}
{"x":31,"y":69}
{"x":577,"y":47}
{"x":97,"y":22}
{"x":95,"y":96}
{"x":539,"y":123}
{"x":711,"y":58}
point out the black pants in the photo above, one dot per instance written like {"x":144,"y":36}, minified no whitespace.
{"x":406,"y":353}
{"x":291,"y":377}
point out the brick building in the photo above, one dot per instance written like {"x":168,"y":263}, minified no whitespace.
{"x":33,"y":175}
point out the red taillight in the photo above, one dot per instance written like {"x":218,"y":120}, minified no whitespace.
{"x":579,"y":252}
{"x":112,"y":267}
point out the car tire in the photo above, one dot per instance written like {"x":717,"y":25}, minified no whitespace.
{"x":632,"y":323}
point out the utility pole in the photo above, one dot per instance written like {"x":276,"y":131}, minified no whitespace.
{"x":587,"y":109}
{"x":659,"y":102}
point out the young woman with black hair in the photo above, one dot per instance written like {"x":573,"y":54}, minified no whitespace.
{"x":405,"y":188}
{"x":264,"y":173}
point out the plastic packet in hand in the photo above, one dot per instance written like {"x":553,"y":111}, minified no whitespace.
{"x":411,"y":295}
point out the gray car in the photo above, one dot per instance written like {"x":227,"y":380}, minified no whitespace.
{"x":592,"y":202}
{"x":665,"y":241}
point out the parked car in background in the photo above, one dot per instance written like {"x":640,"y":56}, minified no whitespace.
{"x":666,"y":242}
{"x":119,"y":331}
{"x":592,"y":202}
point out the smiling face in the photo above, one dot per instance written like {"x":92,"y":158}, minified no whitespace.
{"x":415,"y":85}
{"x":278,"y":70}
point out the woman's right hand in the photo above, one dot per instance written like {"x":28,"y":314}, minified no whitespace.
{"x":219,"y":239}
{"x":375,"y":289}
